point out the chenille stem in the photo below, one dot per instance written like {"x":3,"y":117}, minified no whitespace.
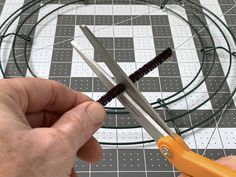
{"x":136,"y":76}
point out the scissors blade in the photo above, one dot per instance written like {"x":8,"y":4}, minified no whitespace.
{"x":154,"y":129}
{"x":124,"y":80}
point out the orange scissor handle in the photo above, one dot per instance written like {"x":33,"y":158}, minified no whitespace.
{"x":189,"y":162}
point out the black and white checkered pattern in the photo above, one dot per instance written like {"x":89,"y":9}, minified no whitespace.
{"x":133,"y":33}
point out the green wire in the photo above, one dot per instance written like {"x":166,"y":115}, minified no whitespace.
{"x":181,"y":90}
{"x":121,"y":110}
{"x":127,"y":143}
{"x":10,"y":23}
{"x":226,"y":76}
{"x":206,"y":76}
{"x":14,"y":41}
{"x":25,"y":48}
{"x":208,"y":49}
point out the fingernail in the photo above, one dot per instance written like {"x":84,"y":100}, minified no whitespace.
{"x":96,"y":112}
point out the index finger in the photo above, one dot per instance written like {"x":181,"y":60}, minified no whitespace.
{"x":33,"y":95}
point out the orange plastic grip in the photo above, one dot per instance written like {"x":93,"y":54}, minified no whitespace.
{"x":189,"y":162}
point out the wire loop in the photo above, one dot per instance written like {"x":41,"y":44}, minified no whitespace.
{"x":209,"y":49}
{"x":190,"y":7}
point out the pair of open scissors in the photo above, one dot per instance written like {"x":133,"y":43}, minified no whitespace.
{"x":172,"y":146}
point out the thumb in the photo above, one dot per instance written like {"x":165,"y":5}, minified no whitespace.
{"x":229,"y":161}
{"x":81,"y":122}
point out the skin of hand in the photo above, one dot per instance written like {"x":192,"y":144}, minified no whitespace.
{"x":229,"y":161}
{"x":44,"y":126}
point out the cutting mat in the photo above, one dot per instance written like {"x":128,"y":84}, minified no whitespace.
{"x":133,"y":33}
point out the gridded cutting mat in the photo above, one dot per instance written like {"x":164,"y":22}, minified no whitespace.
{"x":133,"y":33}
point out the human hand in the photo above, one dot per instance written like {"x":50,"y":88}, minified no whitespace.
{"x":43,"y":126}
{"x":229,"y":161}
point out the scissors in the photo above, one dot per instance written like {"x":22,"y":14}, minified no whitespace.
{"x":171,"y":145}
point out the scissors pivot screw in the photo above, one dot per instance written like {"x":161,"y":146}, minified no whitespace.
{"x":166,"y":152}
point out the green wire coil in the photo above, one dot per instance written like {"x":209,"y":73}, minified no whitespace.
{"x":191,"y":6}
